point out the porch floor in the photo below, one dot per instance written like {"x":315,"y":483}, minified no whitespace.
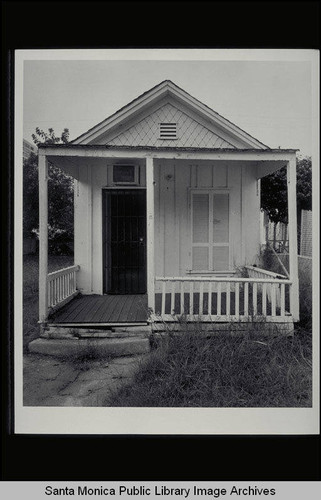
{"x":102,"y":309}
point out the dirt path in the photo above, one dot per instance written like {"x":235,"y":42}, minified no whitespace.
{"x":50,"y":381}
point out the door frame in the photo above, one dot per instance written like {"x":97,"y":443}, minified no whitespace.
{"x":104,"y":238}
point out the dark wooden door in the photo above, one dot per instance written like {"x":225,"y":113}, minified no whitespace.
{"x":124,"y":239}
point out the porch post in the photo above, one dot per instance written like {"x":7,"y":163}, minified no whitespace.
{"x":43,"y":237}
{"x":293,"y":241}
{"x":150,"y":232}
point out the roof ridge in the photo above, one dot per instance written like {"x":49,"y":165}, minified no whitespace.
{"x":167,"y":81}
{"x":213,"y":111}
{"x":123,"y":107}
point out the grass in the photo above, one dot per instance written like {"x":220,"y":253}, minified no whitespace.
{"x":305,"y":284}
{"x":30,"y":292}
{"x":193,"y":370}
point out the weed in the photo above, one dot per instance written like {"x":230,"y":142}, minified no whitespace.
{"x":84,"y":360}
{"x":193,"y":369}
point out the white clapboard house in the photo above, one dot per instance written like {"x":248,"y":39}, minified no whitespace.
{"x":167,"y":220}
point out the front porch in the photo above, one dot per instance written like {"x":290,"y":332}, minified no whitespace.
{"x":102,"y":310}
{"x":183,"y":240}
{"x":260,"y":296}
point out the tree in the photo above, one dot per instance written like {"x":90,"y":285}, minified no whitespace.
{"x":60,"y":197}
{"x":42,"y":137}
{"x":304,"y":183}
{"x":274,"y":196}
{"x":274,"y":192}
{"x":30,"y":196}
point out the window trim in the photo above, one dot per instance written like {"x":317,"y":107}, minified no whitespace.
{"x":211,"y":193}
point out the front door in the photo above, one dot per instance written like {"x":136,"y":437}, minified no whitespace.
{"x":124,"y":240}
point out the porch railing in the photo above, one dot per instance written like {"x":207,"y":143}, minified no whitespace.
{"x":222,"y":299}
{"x":62,"y":287}
{"x":257,"y":272}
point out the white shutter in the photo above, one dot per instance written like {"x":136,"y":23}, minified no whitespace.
{"x":200,"y":258}
{"x":210,"y":231}
{"x":200,"y":229}
{"x":220,"y":232}
{"x":220,"y":258}
{"x":220,"y":218}
{"x":200,"y":218}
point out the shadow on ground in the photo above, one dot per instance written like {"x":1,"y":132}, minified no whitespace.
{"x":50,"y":381}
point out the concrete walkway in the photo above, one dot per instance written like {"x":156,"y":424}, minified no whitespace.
{"x":51,"y":381}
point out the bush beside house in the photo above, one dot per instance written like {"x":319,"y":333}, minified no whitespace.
{"x":60,"y":202}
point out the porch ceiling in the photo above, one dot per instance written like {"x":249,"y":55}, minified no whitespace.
{"x":70,"y":163}
{"x":268,"y":167}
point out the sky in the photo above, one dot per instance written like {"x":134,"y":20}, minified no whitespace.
{"x":269,"y":99}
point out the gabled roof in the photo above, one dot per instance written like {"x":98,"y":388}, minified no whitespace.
{"x":167,"y":89}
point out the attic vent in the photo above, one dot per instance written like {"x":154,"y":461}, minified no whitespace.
{"x":168,"y":130}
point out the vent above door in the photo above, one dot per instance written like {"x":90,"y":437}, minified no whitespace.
{"x":168,"y":130}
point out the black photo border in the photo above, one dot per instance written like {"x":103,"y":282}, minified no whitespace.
{"x":209,"y":24}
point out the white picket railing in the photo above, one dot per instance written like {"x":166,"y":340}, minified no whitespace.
{"x":257,"y":272}
{"x":62,"y":287}
{"x":222,"y":299}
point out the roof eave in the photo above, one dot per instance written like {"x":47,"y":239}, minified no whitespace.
{"x":167,"y":86}
{"x":163,"y":148}
{"x":137,"y":102}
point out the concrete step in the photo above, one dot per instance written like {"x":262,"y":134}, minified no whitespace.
{"x":95,"y":348}
{"x":59,"y":332}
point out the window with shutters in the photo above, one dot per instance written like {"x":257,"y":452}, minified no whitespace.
{"x":168,"y":131}
{"x":210,"y":231}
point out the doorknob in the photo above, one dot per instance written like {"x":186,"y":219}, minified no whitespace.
{"x":141,"y":240}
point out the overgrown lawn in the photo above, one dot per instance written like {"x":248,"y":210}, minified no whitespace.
{"x":194,"y":370}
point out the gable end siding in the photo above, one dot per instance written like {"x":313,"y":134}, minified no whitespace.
{"x":190,"y":133}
